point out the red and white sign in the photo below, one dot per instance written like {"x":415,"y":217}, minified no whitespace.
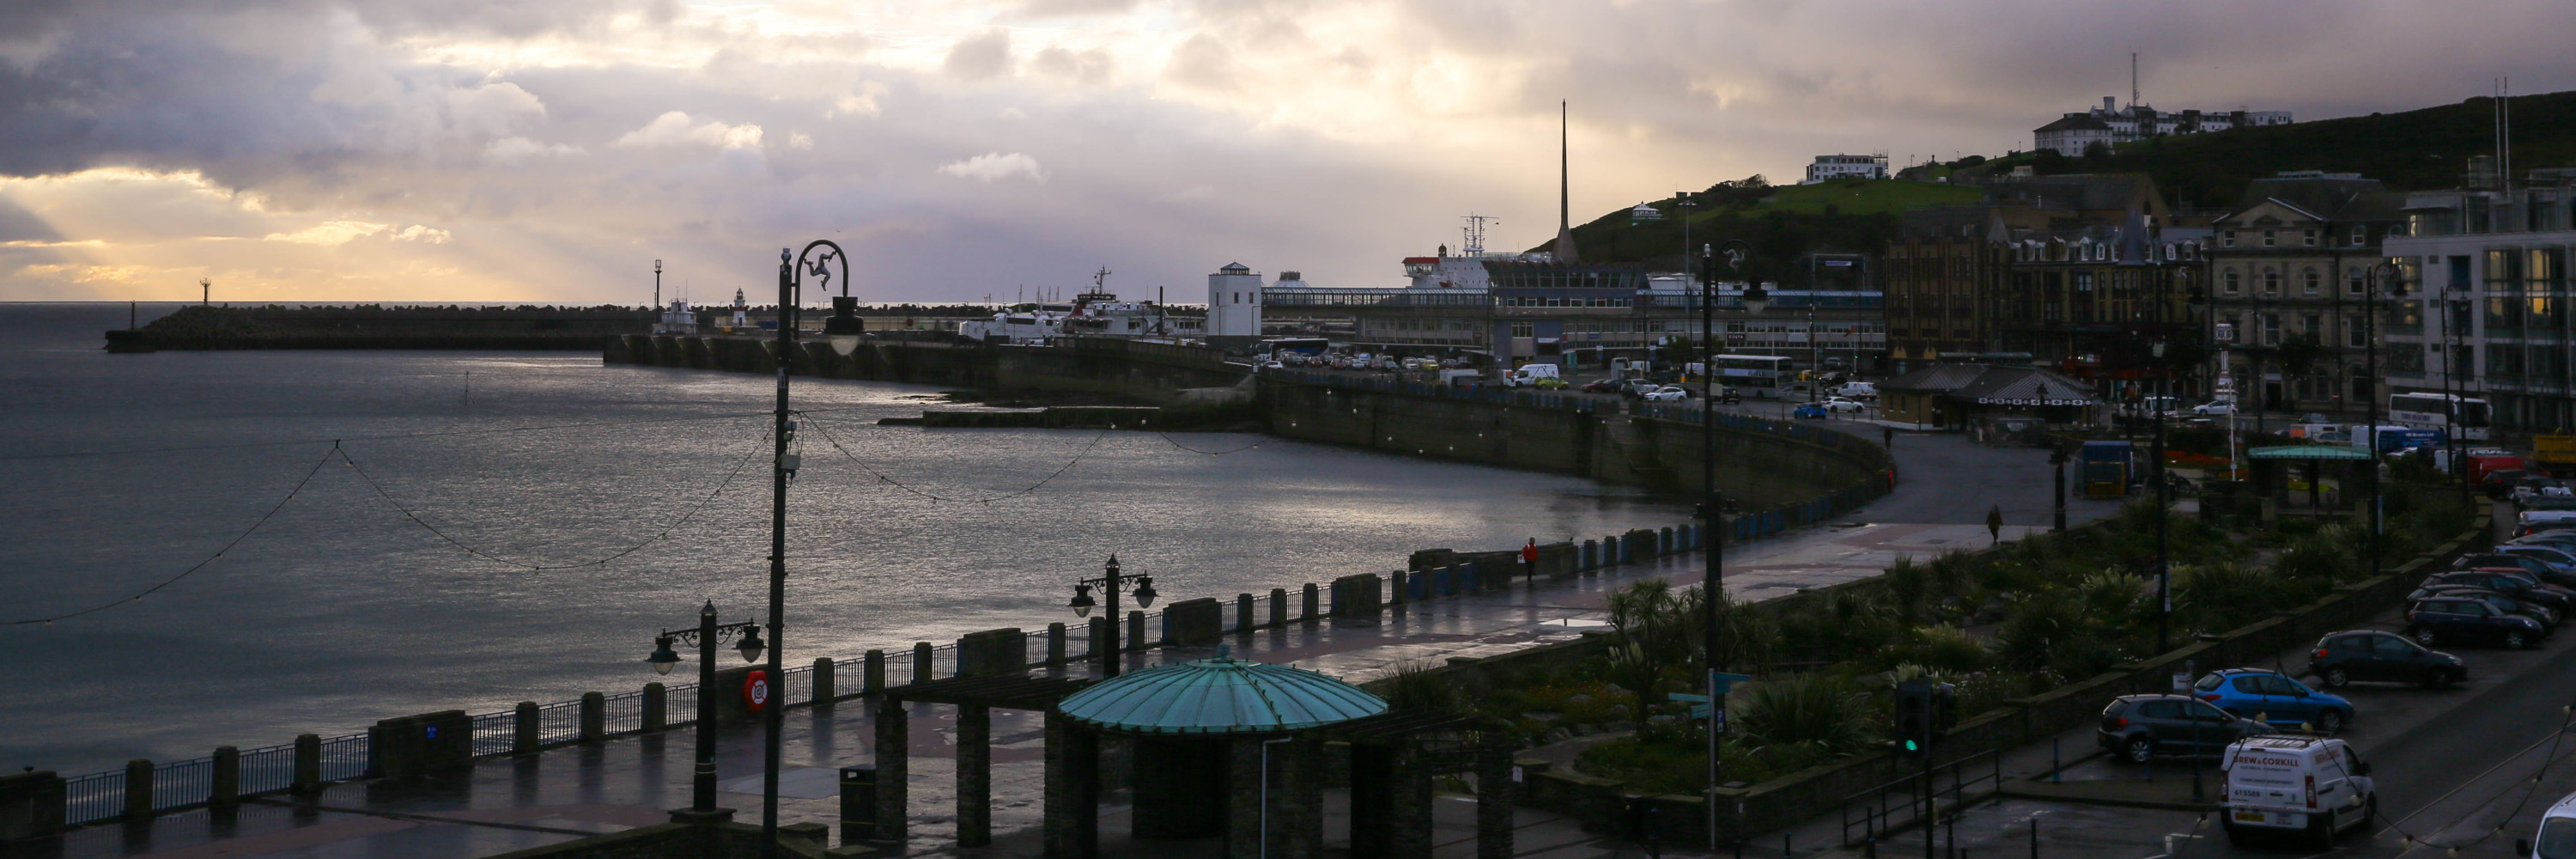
{"x":755,"y":690}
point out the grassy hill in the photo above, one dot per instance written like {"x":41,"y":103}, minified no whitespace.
{"x":2413,"y":150}
{"x":2410,"y":151}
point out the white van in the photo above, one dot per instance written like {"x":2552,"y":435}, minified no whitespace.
{"x":1528,"y":374}
{"x":2542,"y":520}
{"x":2557,"y":836}
{"x":2316,"y":786}
{"x":1858,"y":391}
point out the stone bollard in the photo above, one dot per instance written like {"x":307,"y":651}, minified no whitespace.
{"x":1278,"y":606}
{"x":594,"y":717}
{"x":657,"y":707}
{"x":523,"y":722}
{"x":1243,"y":621}
{"x":1101,"y":627}
{"x":823,"y":692}
{"x":1591,"y":556}
{"x":1397,"y":581}
{"x":1055,"y":644}
{"x":138,"y":789}
{"x":308,"y":763}
{"x":922,"y":667}
{"x":872,"y":672}
{"x":1135,"y":639}
{"x":1308,"y":606}
{"x":1665,"y":543}
{"x":224,"y":777}
{"x":1627,"y":550}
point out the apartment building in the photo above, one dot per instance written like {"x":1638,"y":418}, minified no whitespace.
{"x":2290,"y":269}
{"x":2485,"y":269}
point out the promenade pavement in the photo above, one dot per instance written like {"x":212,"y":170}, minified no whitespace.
{"x":1946,"y":485}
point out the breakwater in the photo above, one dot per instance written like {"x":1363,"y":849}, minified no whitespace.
{"x":206,"y":328}
{"x":1791,"y":472}
{"x":1150,"y":373}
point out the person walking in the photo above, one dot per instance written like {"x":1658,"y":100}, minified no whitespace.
{"x":1529,"y":560}
{"x":1994,"y":524}
{"x":1887,"y":437}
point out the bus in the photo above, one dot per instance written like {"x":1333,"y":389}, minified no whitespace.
{"x":1754,"y":375}
{"x":2467,"y":415}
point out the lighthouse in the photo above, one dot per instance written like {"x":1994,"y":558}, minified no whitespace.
{"x":741,"y":311}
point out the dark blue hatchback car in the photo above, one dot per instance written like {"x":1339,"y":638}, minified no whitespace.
{"x":2274,"y":699}
{"x":2443,"y":619}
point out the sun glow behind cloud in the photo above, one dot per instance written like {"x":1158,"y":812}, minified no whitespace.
{"x":551,"y":148}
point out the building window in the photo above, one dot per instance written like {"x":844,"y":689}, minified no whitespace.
{"x":2353,"y":335}
{"x":2227,"y":239}
{"x":2308,"y":237}
{"x":1523,"y":329}
{"x":2230,"y":282}
{"x":2308,"y":282}
{"x":2271,"y":330}
{"x":2271,"y":281}
{"x":2268,"y":238}
{"x":2361,"y":235}
{"x":2355,"y":283}
{"x":2313,"y":325}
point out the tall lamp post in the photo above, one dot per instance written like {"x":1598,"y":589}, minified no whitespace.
{"x":2384,"y":276}
{"x":1111,"y":581}
{"x":1712,"y":521}
{"x":706,"y":638}
{"x":657,"y":286}
{"x":792,"y":269}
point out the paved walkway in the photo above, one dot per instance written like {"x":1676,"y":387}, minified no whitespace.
{"x":1946,"y":486}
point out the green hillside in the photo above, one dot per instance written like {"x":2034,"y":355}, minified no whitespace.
{"x":2410,"y":151}
{"x":2414,"y":150}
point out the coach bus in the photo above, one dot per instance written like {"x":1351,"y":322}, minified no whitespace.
{"x":2436,"y":411}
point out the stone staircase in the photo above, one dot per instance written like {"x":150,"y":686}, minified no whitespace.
{"x":1640,"y":455}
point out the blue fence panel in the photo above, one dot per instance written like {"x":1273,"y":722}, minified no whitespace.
{"x":182,"y":783}
{"x":267,"y":769}
{"x":344,"y":757}
{"x":626,"y":712}
{"x":94,"y":797}
{"x":495,"y":733}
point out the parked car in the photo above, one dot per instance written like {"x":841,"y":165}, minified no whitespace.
{"x":2268,"y":696}
{"x":2218,"y":408}
{"x":1810,"y":411}
{"x":2443,"y":619}
{"x":1602,"y":386}
{"x":2343,"y":657}
{"x":1858,"y":390}
{"x":2314,"y":786}
{"x":2548,"y":617}
{"x":2559,"y":565}
{"x":1843,"y":404}
{"x":1550,"y":383}
{"x":1728,"y":395}
{"x":1667,"y":394}
{"x":2139,"y":728}
{"x":2510,"y":581}
{"x":2556,"y":838}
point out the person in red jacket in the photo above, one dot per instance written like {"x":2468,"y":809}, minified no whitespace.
{"x":1529,"y":560}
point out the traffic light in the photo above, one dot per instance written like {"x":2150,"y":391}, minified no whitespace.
{"x":1913,"y":717}
{"x":1945,"y":708}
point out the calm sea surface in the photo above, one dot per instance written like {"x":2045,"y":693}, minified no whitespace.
{"x":120,"y":471}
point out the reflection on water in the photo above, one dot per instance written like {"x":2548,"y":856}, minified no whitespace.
{"x":341,"y":611}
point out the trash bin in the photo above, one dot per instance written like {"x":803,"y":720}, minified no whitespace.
{"x":858,"y":803}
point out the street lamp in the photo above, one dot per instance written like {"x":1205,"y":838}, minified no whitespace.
{"x":705,"y":638}
{"x":1711,"y":519}
{"x":1111,"y":581}
{"x":657,"y":286}
{"x":792,"y":269}
{"x":2388,"y":276}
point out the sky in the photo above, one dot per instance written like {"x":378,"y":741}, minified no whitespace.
{"x":552,"y":150}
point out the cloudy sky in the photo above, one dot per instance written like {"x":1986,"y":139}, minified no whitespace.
{"x":550,"y":150}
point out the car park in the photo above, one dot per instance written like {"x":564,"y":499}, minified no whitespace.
{"x":2510,"y":581}
{"x":2140,"y":728}
{"x":2312,"y":786}
{"x":2374,"y":656}
{"x":2268,"y":696}
{"x":2443,"y":619}
{"x":2547,"y":616}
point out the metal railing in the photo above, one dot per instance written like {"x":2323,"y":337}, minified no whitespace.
{"x":94,"y":797}
{"x":344,"y":757}
{"x":495,"y":733}
{"x":267,"y":769}
{"x":559,"y":722}
{"x":1897,"y":805}
{"x":179,"y":784}
{"x":625,"y":713}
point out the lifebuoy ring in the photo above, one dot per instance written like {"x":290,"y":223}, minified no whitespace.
{"x":755,"y":690}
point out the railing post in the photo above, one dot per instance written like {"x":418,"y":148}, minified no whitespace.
{"x":1098,"y":636}
{"x":308,"y":763}
{"x":823,"y":680}
{"x":872,"y":672}
{"x":1278,"y":606}
{"x":1135,"y":639}
{"x":594,"y":717}
{"x":523,"y":726}
{"x":1243,"y":621}
{"x":1307,"y":607}
{"x":138,"y":789}
{"x":1055,"y":643}
{"x":1396,"y":585}
{"x":657,"y":707}
{"x":224,"y":777}
{"x":922,"y":667}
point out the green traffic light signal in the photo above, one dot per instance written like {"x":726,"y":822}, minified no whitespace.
{"x":1913,"y":746}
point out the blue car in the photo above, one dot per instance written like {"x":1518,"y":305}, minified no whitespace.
{"x":1810,"y":410}
{"x":2269,"y":697}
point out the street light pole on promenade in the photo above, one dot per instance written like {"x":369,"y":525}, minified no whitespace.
{"x":1712,"y":520}
{"x":792,"y":269}
{"x":706,"y":637}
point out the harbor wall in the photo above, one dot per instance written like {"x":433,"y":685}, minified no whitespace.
{"x":1149,"y":373}
{"x":1760,"y":464}
{"x":922,"y":362}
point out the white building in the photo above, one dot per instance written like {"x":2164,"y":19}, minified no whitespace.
{"x":2112,"y":124}
{"x":741,"y":311}
{"x":1846,"y":167}
{"x":1234,"y":302}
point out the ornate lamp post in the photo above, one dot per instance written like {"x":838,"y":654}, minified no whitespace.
{"x":1712,"y":521}
{"x":792,"y":270}
{"x":2383,"y":276}
{"x":706,"y":638}
{"x":1111,"y":581}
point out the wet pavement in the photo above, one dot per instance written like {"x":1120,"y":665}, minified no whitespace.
{"x":512,"y":803}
